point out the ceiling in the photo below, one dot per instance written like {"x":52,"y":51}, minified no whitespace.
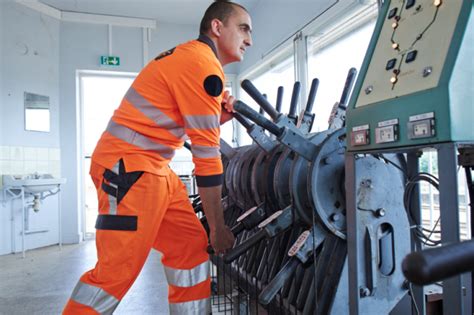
{"x":166,"y":11}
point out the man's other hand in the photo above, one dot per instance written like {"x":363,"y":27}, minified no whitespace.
{"x":228,"y":102}
{"x":222,"y":239}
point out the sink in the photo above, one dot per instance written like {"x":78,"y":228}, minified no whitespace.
{"x":33,"y":183}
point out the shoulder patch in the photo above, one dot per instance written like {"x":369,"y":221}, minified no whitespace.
{"x":213,"y":85}
{"x":165,"y":53}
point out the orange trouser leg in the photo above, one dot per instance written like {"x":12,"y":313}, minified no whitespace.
{"x":121,"y":253}
{"x":183,"y":241}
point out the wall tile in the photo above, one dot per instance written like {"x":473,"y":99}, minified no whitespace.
{"x":43,"y":154}
{"x":54,"y":154}
{"x":5,"y":167}
{"x":4,"y":153}
{"x":17,"y":167}
{"x":55,"y":168}
{"x":42,"y":167}
{"x":16,"y":153}
{"x":30,"y":153}
{"x":30,"y":167}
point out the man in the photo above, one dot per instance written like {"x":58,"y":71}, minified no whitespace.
{"x":142,"y":203}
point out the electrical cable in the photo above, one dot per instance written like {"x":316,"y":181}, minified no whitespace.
{"x":413,"y":299}
{"x":419,"y":231}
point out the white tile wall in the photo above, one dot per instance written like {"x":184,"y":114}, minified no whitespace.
{"x":28,"y":160}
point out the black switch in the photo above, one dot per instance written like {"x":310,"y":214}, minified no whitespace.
{"x":392,"y":13}
{"x":411,"y":56}
{"x":410,"y":3}
{"x":390,"y":64}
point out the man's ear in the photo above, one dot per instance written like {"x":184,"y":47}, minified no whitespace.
{"x":216,"y":25}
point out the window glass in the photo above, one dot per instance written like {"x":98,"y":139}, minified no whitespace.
{"x":331,"y":64}
{"x":227,"y":129}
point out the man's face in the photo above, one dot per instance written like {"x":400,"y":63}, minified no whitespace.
{"x":235,"y":36}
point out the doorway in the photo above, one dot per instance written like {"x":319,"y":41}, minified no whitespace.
{"x":100,"y":93}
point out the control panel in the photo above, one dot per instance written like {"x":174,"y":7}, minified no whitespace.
{"x":415,"y":85}
{"x":411,"y":49}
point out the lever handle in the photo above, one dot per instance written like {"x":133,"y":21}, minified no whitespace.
{"x":243,"y":121}
{"x":269,"y":292}
{"x":279,"y":100}
{"x":312,"y":96}
{"x":237,"y":251}
{"x":350,"y":80}
{"x":248,"y":112}
{"x":259,"y":98}
{"x":294,"y":100}
{"x":236,"y":229}
{"x":435,"y":264}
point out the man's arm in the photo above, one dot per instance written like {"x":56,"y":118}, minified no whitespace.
{"x":220,"y":236}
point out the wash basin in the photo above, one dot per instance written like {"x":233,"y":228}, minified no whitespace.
{"x":33,"y":183}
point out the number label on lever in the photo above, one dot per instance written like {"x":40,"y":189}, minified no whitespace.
{"x":270,"y":219}
{"x":247,"y":213}
{"x":299,"y":243}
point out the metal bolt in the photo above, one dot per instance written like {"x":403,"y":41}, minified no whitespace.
{"x":335,"y":217}
{"x":364,"y":291}
{"x":427,"y":71}
{"x":369,"y":89}
{"x":366,"y":183}
{"x":327,"y":160}
{"x":380,"y":212}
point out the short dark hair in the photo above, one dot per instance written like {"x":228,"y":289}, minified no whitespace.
{"x":219,"y":9}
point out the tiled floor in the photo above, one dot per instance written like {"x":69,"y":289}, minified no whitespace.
{"x":42,"y":282}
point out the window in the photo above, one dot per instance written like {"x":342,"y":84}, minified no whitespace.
{"x":330,"y":64}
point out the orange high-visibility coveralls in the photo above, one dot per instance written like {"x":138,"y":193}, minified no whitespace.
{"x":142,"y":203}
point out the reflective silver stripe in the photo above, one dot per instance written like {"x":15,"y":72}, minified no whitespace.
{"x":112,"y":202}
{"x":187,"y":277}
{"x":201,"y":151}
{"x":152,"y":112}
{"x":135,"y":138}
{"x":113,"y":199}
{"x":197,"y":307}
{"x":94,"y":297}
{"x":201,"y":121}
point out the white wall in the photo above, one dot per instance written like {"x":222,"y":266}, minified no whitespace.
{"x":29,"y":44}
{"x":1,"y":66}
{"x":30,"y":63}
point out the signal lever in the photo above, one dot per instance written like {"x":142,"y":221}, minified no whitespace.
{"x":256,"y":133}
{"x":278,"y":222}
{"x":247,"y":221}
{"x":300,"y":253}
{"x":337,"y":118}
{"x":307,"y":117}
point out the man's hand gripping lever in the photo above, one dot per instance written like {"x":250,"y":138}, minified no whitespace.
{"x":247,"y":221}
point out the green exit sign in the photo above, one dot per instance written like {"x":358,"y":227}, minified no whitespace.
{"x":110,"y":60}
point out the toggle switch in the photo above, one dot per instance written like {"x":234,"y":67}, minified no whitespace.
{"x":392,"y":13}
{"x":391,"y":64}
{"x":410,"y":3}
